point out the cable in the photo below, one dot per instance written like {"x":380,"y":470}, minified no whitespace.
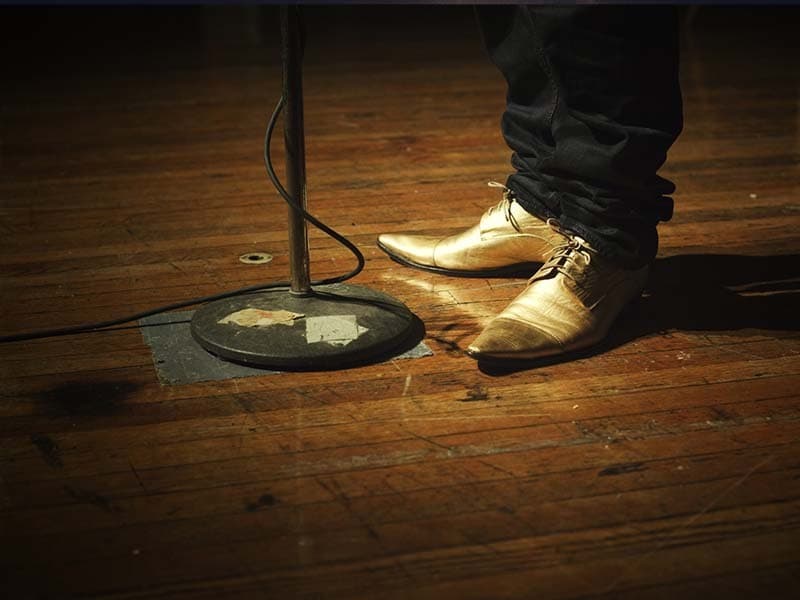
{"x":87,"y":327}
{"x":306,"y":215}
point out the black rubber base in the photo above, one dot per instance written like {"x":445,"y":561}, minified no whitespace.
{"x":523,"y":269}
{"x":341,"y":325}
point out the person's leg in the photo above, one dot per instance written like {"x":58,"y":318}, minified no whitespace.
{"x":593,"y":105}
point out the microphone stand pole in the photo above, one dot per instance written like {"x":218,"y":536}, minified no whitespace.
{"x":304,"y":327}
{"x":294,"y":141}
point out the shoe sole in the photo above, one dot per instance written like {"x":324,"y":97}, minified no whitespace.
{"x":525,"y":269}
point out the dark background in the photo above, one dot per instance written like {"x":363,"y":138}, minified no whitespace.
{"x":47,"y":40}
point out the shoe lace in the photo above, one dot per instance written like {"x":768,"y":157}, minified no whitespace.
{"x":505,"y":204}
{"x":562,"y":257}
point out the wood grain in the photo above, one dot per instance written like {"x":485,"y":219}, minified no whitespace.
{"x":664,"y":464}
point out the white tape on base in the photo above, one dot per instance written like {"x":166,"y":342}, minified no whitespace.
{"x":338,"y":330}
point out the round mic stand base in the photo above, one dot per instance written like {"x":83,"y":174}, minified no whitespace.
{"x":335,"y":326}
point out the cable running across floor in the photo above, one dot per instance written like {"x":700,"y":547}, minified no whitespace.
{"x":100,"y":325}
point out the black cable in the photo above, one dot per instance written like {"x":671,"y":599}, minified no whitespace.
{"x":307,"y":216}
{"x":86,"y":327}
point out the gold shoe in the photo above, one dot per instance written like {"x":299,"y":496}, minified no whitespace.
{"x":507,"y":239}
{"x":569,"y":304}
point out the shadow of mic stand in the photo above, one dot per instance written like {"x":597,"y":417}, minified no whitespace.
{"x":304,"y":327}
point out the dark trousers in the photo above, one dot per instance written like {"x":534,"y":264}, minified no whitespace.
{"x":593,"y":105}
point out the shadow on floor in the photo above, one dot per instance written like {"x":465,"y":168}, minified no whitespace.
{"x":700,"y":292}
{"x":87,"y":398}
{"x":718,"y":292}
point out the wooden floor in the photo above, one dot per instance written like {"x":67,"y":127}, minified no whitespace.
{"x":665,"y":465}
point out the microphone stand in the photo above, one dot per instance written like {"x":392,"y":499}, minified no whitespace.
{"x":304,"y":327}
{"x":294,"y":142}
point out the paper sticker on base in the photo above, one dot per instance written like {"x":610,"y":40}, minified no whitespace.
{"x":255,"y":317}
{"x":338,"y":330}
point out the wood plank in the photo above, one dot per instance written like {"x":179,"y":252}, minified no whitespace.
{"x":665,"y":464}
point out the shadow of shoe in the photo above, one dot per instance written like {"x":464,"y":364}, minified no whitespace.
{"x":699,"y":292}
{"x":719,"y":292}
